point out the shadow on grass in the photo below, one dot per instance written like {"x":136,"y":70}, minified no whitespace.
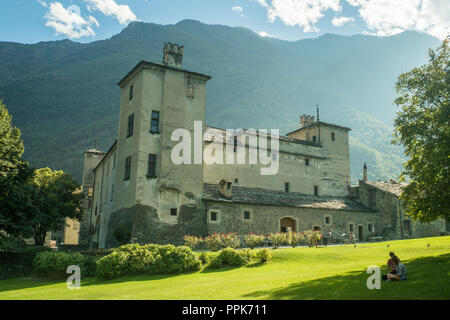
{"x":24,"y":283}
{"x":428,"y":278}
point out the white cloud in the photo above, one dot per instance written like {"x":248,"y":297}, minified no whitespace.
{"x":264,"y":34}
{"x":69,"y":22}
{"x":302,"y":13}
{"x":340,"y":21}
{"x":385,"y":18}
{"x":237,"y":9}
{"x":122,"y":13}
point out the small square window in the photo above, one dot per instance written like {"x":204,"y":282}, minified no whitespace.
{"x":286,"y":187}
{"x":316,"y":190}
{"x":246,"y":215}
{"x":333,"y":137}
{"x":236,"y":180}
{"x":314,"y":139}
{"x":351,"y":228}
{"x":370,"y":227}
{"x":327,"y":220}
{"x":173,"y":212}
{"x":306,"y":162}
{"x":213,"y":216}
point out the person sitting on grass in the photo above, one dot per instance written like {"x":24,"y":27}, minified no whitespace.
{"x":391,"y":266}
{"x":401,"y":271}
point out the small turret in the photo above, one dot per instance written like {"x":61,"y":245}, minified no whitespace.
{"x":306,"y":120}
{"x":173,"y":55}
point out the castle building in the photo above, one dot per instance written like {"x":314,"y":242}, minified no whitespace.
{"x":137,"y":186}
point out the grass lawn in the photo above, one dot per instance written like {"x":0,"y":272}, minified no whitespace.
{"x":337,"y":272}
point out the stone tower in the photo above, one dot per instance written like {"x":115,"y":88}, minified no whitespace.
{"x":157,"y":200}
{"x":92,"y":158}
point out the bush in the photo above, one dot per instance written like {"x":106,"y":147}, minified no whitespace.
{"x":150,"y":259}
{"x":11,"y":243}
{"x":278,"y":239}
{"x":203,"y":257}
{"x":295,"y":238}
{"x":234,"y":257}
{"x":171,"y":259}
{"x":54,"y":264}
{"x":253,"y":240}
{"x":19,"y":262}
{"x":113,"y":265}
{"x":216,"y":263}
{"x":263,"y":255}
{"x":312,"y":237}
{"x":192,"y":241}
{"x":214,"y":242}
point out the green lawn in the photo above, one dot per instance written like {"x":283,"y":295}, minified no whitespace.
{"x":294,"y":273}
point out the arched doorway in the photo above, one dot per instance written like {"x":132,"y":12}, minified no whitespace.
{"x":287,"y":224}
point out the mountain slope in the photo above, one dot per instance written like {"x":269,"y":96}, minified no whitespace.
{"x":63,"y":95}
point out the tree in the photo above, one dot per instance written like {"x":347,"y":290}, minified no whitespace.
{"x":56,"y":197}
{"x":422,"y":127}
{"x":16,"y":192}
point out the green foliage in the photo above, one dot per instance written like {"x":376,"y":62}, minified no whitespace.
{"x":216,"y":263}
{"x":113,"y":265}
{"x":295,"y":238}
{"x":17,"y":261}
{"x":263,"y":255}
{"x":11,"y":145}
{"x":10,"y":243}
{"x":312,"y":237}
{"x":233,"y":257}
{"x":278,"y":239}
{"x":422,"y":127}
{"x":122,"y":235}
{"x":149,"y":259}
{"x":253,"y":240}
{"x":16,"y":190}
{"x":57,"y":196}
{"x":203,"y":257}
{"x":54,"y":264}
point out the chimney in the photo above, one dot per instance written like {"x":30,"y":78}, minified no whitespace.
{"x":306,"y":120}
{"x":173,"y":55}
{"x":365,"y":172}
{"x":225,"y":188}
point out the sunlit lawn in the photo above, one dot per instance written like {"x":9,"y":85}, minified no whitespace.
{"x":337,"y":272}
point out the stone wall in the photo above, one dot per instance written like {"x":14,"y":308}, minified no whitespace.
{"x":265,"y":219}
{"x":146,"y":226}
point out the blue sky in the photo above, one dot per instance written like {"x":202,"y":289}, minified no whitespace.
{"x":31,"y":21}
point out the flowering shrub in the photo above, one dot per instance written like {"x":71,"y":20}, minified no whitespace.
{"x":295,"y":238}
{"x":313,"y":237}
{"x":230,"y":240}
{"x":253,"y":240}
{"x":278,"y":239}
{"x":263,"y":255}
{"x":192,"y":241}
{"x":213,"y":242}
